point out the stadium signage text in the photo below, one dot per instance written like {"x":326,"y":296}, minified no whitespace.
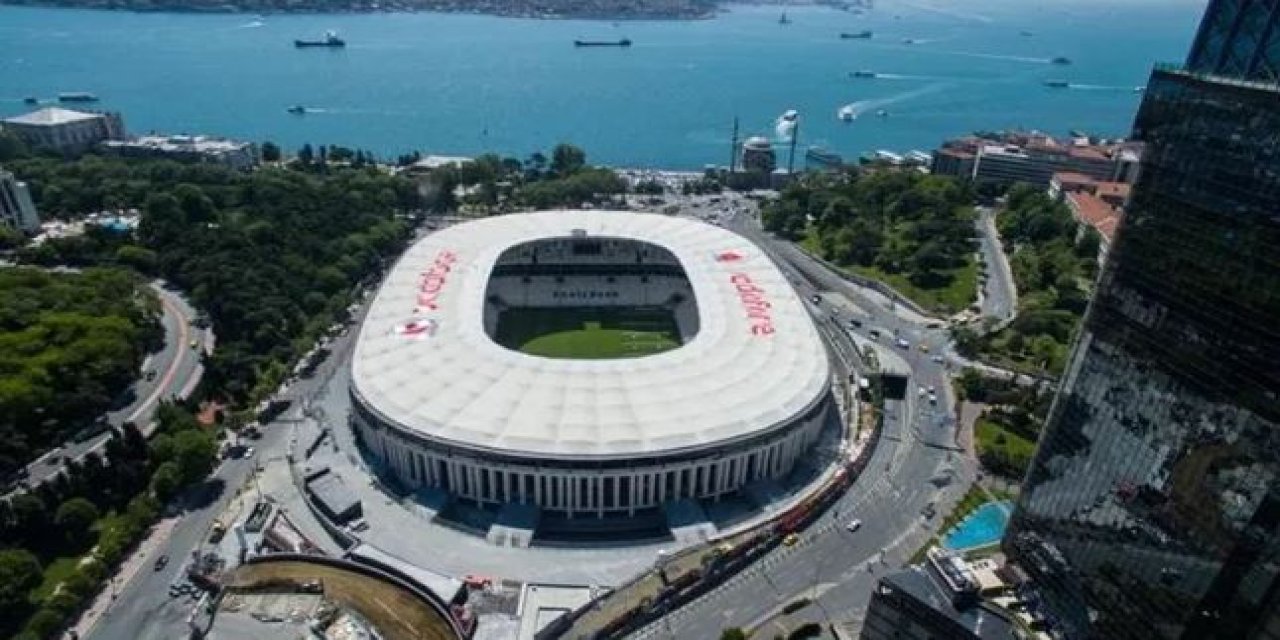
{"x":432,"y":281}
{"x":753,"y":300}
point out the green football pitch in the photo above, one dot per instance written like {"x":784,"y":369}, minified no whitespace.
{"x":586,"y":334}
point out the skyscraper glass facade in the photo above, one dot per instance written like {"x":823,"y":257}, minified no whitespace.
{"x":1152,"y":508}
{"x":1239,"y":39}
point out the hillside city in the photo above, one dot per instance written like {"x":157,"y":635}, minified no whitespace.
{"x":1020,"y":385}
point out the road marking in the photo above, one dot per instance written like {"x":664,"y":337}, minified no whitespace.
{"x":173,"y":366}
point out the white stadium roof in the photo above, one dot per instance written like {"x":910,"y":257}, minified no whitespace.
{"x":453,"y":384}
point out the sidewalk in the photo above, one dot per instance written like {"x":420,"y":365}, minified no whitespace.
{"x":128,"y":568}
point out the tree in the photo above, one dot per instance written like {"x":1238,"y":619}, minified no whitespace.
{"x":20,"y":572}
{"x":75,"y":518}
{"x":194,"y":450}
{"x":733,"y":633}
{"x":165,"y":481}
{"x":567,"y":159}
{"x":270,"y":152}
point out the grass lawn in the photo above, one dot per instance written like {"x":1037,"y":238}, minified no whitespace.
{"x":958,"y":294}
{"x":54,"y":574}
{"x":989,"y":432}
{"x":586,"y":334}
{"x":961,"y":292}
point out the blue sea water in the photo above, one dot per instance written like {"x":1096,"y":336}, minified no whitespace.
{"x":982,"y":527}
{"x":467,"y":84}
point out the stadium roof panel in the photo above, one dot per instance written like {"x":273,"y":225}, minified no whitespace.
{"x":424,"y":362}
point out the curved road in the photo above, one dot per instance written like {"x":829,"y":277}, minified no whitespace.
{"x":177,"y":371}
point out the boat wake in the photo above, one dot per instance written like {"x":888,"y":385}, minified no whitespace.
{"x":1098,"y":87}
{"x":251,"y":25}
{"x":855,"y":110}
{"x":903,"y":76}
{"x":999,"y":56}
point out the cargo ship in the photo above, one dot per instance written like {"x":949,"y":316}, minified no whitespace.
{"x":331,"y":39}
{"x":861,"y":35}
{"x":77,"y":96}
{"x":862,"y":73}
{"x":1060,"y":60}
{"x":625,"y":42}
{"x":1057,"y":84}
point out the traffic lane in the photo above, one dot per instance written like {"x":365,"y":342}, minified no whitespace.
{"x":147,"y":392}
{"x":144,"y":610}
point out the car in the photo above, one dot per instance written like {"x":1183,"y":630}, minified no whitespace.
{"x":816,"y":299}
{"x":902,"y":342}
{"x":929,"y":511}
{"x":853,"y":525}
{"x":791,"y":540}
{"x":151,"y":374}
{"x":933,"y":398}
{"x":161,"y":562}
{"x":195,"y":344}
{"x":854,"y":323}
{"x":921,"y":391}
{"x":924,"y":348}
{"x":937,"y":359}
{"x":932,"y":390}
{"x":874,"y":333}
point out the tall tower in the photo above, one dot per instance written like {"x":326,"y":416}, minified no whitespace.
{"x":1152,"y":507}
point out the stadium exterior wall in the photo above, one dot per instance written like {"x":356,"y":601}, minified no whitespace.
{"x":587,"y":487}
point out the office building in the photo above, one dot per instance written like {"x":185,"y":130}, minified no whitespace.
{"x":1034,"y":158}
{"x":17,"y":211}
{"x":230,"y":153}
{"x":948,"y":597}
{"x":1152,"y":507}
{"x":66,"y":130}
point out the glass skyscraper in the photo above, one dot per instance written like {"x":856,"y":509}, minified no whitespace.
{"x":1152,"y":507}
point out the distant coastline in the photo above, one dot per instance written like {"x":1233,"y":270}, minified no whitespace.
{"x":531,"y":9}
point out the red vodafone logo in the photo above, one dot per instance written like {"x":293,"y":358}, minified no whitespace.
{"x":755,"y":303}
{"x":729,"y":256}
{"x":431,"y":282}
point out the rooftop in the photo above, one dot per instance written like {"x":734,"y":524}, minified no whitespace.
{"x":1095,"y":212}
{"x":199,"y":144}
{"x":454,"y":384}
{"x":51,"y":116}
{"x":1071,"y":177}
{"x":924,"y":587}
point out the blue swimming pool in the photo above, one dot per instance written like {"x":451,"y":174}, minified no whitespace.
{"x":982,"y":527}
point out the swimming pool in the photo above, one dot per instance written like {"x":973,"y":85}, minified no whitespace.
{"x":982,"y":527}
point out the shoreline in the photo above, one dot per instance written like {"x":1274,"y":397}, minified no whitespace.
{"x":232,"y":10}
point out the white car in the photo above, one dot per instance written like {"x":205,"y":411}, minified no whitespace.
{"x":902,"y":342}
{"x":853,"y":525}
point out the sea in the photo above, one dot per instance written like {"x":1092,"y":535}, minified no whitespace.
{"x":458,"y":84}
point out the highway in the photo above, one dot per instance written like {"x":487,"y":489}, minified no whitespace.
{"x":177,"y":370}
{"x":917,"y":463}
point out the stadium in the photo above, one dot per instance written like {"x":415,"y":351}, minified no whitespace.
{"x":587,"y":363}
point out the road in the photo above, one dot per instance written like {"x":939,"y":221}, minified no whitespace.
{"x":143,"y":610}
{"x":916,"y":463}
{"x":1000,"y":296}
{"x":177,"y":370}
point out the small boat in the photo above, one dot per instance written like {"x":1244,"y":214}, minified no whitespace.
{"x":862,"y":73}
{"x":331,"y":39}
{"x":847,"y":113}
{"x":909,"y":41}
{"x":1139,"y":89}
{"x":883,"y":113}
{"x":77,"y":96}
{"x":861,"y":35}
{"x":789,"y":115}
{"x":31,"y":100}
{"x":1060,"y":60}
{"x":297,"y":109}
{"x":1025,"y":34}
{"x":1057,"y":84}
{"x":625,"y":42}
{"x":784,"y":19}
